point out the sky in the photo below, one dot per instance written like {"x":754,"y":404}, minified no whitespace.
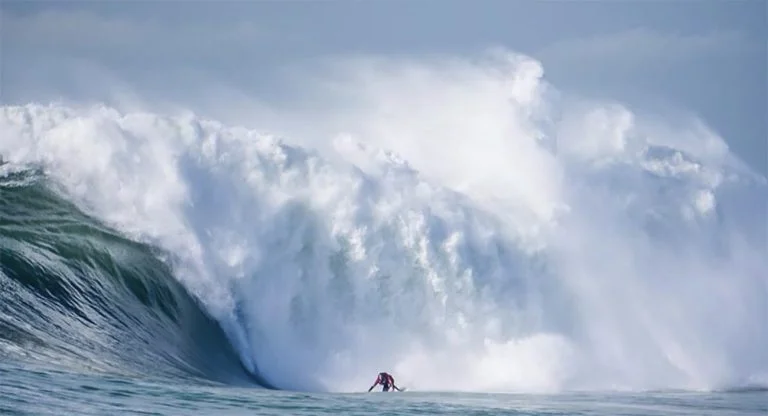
{"x":707,"y":58}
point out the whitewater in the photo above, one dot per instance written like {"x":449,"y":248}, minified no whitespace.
{"x":461,"y":224}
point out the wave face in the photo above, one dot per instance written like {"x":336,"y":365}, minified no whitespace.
{"x":79,"y":295}
{"x":504,"y":239}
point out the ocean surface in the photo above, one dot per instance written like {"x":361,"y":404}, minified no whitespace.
{"x":32,"y":390}
{"x":36,"y":390}
{"x":545,"y":259}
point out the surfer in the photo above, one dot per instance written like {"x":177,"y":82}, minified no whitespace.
{"x":386,"y":380}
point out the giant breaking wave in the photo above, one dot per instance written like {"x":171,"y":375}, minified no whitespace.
{"x":467,"y":229}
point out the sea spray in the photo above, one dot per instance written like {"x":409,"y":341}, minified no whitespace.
{"x":469,"y":231}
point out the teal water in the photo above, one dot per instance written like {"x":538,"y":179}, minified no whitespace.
{"x":38,"y":391}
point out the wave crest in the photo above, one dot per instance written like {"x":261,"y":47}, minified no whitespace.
{"x":586,"y":249}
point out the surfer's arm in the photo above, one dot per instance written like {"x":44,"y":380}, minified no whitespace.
{"x":375,"y":383}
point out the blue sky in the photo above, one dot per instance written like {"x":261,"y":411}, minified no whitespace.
{"x":704,"y":57}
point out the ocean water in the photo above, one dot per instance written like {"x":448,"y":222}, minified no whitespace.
{"x":31,"y":390}
{"x":527,"y":254}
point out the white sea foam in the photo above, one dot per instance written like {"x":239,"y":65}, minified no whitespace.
{"x":466,"y":229}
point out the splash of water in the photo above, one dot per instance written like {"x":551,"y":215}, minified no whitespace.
{"x":470,"y":229}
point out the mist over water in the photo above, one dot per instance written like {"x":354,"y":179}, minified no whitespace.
{"x":458,"y":223}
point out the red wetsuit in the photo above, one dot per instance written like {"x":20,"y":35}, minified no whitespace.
{"x":386,"y":380}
